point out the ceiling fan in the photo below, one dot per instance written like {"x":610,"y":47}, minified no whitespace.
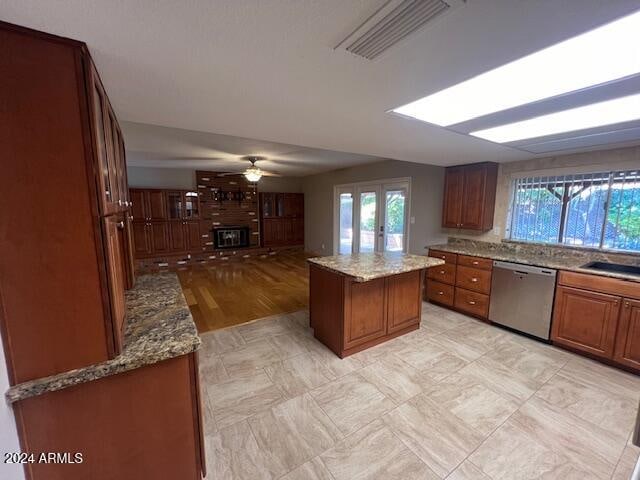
{"x":252,"y":173}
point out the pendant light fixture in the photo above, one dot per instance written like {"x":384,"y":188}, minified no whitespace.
{"x":253,"y":173}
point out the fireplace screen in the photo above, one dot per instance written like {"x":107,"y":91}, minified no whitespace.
{"x":231,"y":237}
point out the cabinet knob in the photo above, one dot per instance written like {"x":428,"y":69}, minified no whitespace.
{"x":626,"y":304}
{"x":440,"y":293}
{"x":120,"y":225}
{"x":474,"y":279}
{"x":471,"y":302}
{"x":475,"y":262}
{"x":442,"y":272}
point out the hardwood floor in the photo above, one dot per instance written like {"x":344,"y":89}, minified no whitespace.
{"x":238,"y":291}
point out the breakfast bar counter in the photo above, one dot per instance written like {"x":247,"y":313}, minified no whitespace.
{"x":360,"y":300}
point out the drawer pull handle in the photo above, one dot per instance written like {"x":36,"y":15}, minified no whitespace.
{"x":471,"y":302}
{"x":474,"y":279}
{"x":443,"y":257}
{"x":442,"y":272}
{"x":475,"y":262}
{"x":440,"y":293}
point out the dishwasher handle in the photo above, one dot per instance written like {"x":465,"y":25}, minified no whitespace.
{"x":521,"y":269}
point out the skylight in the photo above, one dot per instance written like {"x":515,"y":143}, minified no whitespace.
{"x":606,"y":53}
{"x":622,"y":109}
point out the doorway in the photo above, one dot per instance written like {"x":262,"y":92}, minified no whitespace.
{"x":372,"y":216}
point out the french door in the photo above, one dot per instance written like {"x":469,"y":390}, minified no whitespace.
{"x":371,"y":217}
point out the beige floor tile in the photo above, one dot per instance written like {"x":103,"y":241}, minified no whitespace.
{"x":221,"y":341}
{"x":298,"y":375}
{"x":294,"y":432}
{"x":439,"y":438}
{"x":626,"y":464}
{"x":274,"y":325}
{"x":289,"y":345}
{"x":312,"y":470}
{"x":435,"y":361}
{"x":501,"y":379}
{"x":513,"y":453}
{"x":384,"y":350}
{"x":250,"y":357}
{"x":609,"y":379}
{"x":236,"y":399}
{"x":375,"y":453}
{"x":338,"y":367}
{"x":212,"y":369}
{"x":352,"y":402}
{"x":467,"y":471}
{"x":593,"y":448}
{"x":459,"y":345}
{"x":607,"y":409}
{"x":474,"y":402}
{"x":210,"y":426}
{"x":233,"y":454}
{"x":396,"y":379}
{"x":530,"y":362}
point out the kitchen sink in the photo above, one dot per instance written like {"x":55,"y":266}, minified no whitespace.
{"x":613,"y":267}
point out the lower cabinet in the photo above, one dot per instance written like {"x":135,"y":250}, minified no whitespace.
{"x":142,"y":424}
{"x":162,"y":238}
{"x":586,"y":320}
{"x":627,"y":351}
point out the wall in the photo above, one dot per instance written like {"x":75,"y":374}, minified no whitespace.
{"x":8,"y":433}
{"x":426,"y":202}
{"x":600,"y":161}
{"x":185,"y":178}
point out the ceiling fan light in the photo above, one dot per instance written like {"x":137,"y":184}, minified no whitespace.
{"x":253,"y":173}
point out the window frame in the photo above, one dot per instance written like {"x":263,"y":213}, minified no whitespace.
{"x":566,"y":181}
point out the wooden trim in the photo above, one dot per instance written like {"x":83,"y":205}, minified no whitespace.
{"x":599,"y":283}
{"x":198,"y":423}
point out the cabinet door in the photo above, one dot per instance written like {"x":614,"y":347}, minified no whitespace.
{"x":177,"y":236}
{"x":114,"y":229}
{"x":279,"y":204}
{"x":404,"y":304}
{"x":141,"y":239}
{"x":156,"y":205}
{"x":138,"y":205}
{"x":585,"y":320}
{"x":452,"y":202}
{"x":113,"y":157}
{"x":191,"y":203}
{"x":124,"y":189}
{"x":628,"y":337}
{"x":100,"y":125}
{"x":287,"y":231}
{"x":192,"y":235}
{"x":175,"y":208}
{"x":473,"y":197}
{"x":159,"y":234}
{"x":127,"y":251}
{"x":365,"y":316}
{"x":298,"y":230}
{"x":267,"y":205}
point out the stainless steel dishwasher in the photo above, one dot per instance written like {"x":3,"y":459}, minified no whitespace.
{"x":522,"y":297}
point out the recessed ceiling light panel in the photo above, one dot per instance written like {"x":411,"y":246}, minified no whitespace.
{"x":610,"y":112}
{"x":607,"y":53}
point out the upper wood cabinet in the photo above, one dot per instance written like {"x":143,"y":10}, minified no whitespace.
{"x":148,"y":205}
{"x":182,"y":205}
{"x":282,"y":219}
{"x":63,"y":169}
{"x":469,"y":196}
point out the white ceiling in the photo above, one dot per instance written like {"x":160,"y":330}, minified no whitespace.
{"x":154,"y":146}
{"x":266,"y":69}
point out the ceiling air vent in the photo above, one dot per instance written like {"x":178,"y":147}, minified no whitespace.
{"x":391,"y":23}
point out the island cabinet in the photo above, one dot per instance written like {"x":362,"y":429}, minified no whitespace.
{"x":66,"y":236}
{"x":599,"y":316}
{"x":469,"y":196}
{"x":350,"y":313}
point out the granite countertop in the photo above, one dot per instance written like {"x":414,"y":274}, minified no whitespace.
{"x":367,"y":266}
{"x":557,"y":258}
{"x":158,"y":327}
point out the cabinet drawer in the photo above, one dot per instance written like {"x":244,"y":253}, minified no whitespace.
{"x":446,"y":256}
{"x":443,"y":273}
{"x":473,"y":279}
{"x":475,"y":262}
{"x":440,"y":292}
{"x":472,"y":302}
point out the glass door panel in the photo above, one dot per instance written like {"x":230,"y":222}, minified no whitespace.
{"x":395,"y":219}
{"x":345,"y":225}
{"x":191,"y":204}
{"x":174,"y":200}
{"x":368,"y":221}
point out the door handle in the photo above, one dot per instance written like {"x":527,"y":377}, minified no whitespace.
{"x":120,"y":225}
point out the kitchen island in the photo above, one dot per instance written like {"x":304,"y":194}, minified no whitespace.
{"x":360,"y":300}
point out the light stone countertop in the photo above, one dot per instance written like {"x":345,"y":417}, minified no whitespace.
{"x":159,"y":326}
{"x":557,"y":258}
{"x":368,"y":266}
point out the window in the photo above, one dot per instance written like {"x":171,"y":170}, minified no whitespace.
{"x":600,"y":210}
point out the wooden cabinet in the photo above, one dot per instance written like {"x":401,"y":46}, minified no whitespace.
{"x":627,"y":349}
{"x":585,"y":320}
{"x":349,"y":316}
{"x":62,"y":163}
{"x":282,"y":219}
{"x":148,"y":205}
{"x":463,"y":282}
{"x":599,"y":316}
{"x":469,"y":196}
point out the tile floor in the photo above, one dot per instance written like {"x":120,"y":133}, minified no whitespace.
{"x":456,"y":399}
